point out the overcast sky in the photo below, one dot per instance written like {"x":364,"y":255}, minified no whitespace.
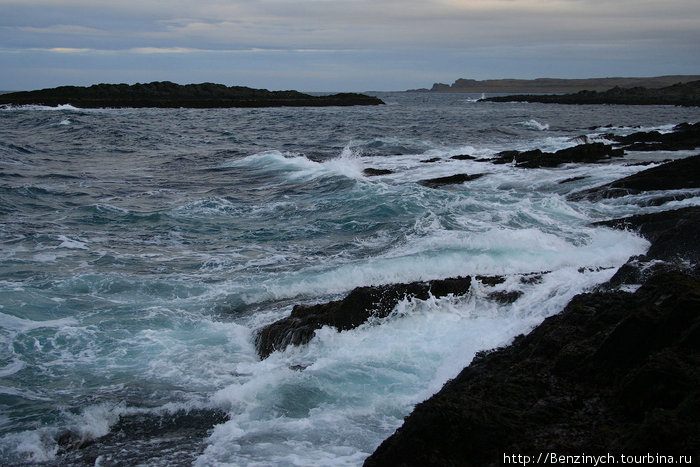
{"x":341,"y":45}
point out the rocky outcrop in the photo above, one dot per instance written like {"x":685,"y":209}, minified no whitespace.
{"x":590,"y":152}
{"x":614,"y":372}
{"x":372,"y":172}
{"x":675,"y":175}
{"x":684,"y":136}
{"x":685,"y":94}
{"x":166,"y":94}
{"x":449,"y":180}
{"x":355,"y":309}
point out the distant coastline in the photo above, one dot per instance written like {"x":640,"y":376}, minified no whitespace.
{"x":552,"y":85}
{"x":165,"y":94}
{"x":684,"y":94}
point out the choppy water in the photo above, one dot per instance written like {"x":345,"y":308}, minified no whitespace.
{"x":140,"y":249}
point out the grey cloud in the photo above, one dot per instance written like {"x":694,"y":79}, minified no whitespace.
{"x":435,"y":38}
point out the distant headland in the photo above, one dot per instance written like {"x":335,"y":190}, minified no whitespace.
{"x":684,"y":94}
{"x":165,"y":94}
{"x":547,"y":85}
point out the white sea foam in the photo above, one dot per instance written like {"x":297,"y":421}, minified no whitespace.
{"x":299,"y":167}
{"x":92,"y":422}
{"x":454,"y":253}
{"x":12,"y":368}
{"x":535,"y":125}
{"x":39,"y":107}
{"x":15,"y":323}
{"x":70,"y":243}
{"x":357,"y":384}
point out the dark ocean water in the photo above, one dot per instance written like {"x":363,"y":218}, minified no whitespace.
{"x":141,"y":248}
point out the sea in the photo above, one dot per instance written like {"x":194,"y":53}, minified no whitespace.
{"x":141,"y":249}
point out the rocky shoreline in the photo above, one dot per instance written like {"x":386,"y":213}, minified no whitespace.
{"x":684,"y":94}
{"x":617,"y":371}
{"x":165,"y":94}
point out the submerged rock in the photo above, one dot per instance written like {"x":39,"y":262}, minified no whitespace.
{"x":504,"y":297}
{"x":589,"y":152}
{"x":178,"y":437}
{"x":572,"y":179}
{"x":356,"y":308}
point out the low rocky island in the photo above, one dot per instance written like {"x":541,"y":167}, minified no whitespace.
{"x":683,"y":94}
{"x":165,"y":94}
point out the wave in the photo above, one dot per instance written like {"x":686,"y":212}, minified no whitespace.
{"x":535,"y":125}
{"x":297,"y":167}
{"x":14,"y":323}
{"x":452,"y":253}
{"x":62,"y":107}
{"x":80,"y":434}
{"x":355,"y":386}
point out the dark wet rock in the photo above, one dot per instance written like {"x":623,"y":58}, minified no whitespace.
{"x":505,"y":297}
{"x":590,"y":152}
{"x":170,"y":95}
{"x":533,"y":278}
{"x":463,"y":157}
{"x":663,"y":199}
{"x":684,"y":94}
{"x":685,"y":136}
{"x":69,"y":440}
{"x":503,"y":157}
{"x":592,"y":269}
{"x":638,"y":269}
{"x":491,"y":280}
{"x":371,"y":172}
{"x":355,"y":309}
{"x":614,"y":372}
{"x":674,"y":245}
{"x":581,"y":139}
{"x":674,"y":175}
{"x":431,"y":160}
{"x":572,"y":179}
{"x":451,"y":180}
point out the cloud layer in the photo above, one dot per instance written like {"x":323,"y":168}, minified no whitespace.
{"x":342,"y":44}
